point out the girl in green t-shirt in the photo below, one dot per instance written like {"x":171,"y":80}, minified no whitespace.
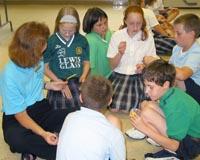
{"x":67,"y":59}
{"x":95,"y":25}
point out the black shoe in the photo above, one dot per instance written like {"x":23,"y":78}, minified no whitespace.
{"x":27,"y":156}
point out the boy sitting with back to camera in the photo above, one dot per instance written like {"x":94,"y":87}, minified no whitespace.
{"x":88,"y":134}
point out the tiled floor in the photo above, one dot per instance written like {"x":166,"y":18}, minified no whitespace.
{"x":47,"y":13}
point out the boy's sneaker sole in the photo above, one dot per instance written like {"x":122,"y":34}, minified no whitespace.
{"x":152,"y":142}
{"x":135,"y":134}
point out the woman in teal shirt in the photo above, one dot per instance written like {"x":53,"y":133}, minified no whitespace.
{"x":29,"y":124}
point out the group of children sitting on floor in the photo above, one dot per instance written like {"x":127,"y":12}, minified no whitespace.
{"x":119,"y":70}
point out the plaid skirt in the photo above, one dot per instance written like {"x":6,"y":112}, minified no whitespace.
{"x":128,"y":91}
{"x":58,"y":101}
{"x":164,"y":45}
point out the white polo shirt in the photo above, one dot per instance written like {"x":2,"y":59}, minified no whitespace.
{"x":87,"y":135}
{"x":135,"y":51}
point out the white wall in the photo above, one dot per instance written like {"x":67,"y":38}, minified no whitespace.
{"x":19,"y":14}
{"x":182,"y":3}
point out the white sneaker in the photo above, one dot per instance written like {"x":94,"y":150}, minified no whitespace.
{"x":151,"y":141}
{"x":135,"y":134}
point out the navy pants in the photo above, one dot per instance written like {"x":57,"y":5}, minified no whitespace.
{"x":192,"y":89}
{"x":59,"y":102}
{"x":189,"y":148}
{"x":23,"y":140}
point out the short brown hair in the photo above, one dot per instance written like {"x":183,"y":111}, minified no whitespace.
{"x":67,"y":11}
{"x":160,"y":71}
{"x":136,"y":9}
{"x":191,"y":22}
{"x":96,"y":92}
{"x":26,"y":46}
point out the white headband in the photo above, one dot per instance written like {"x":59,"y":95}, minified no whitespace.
{"x":68,"y":19}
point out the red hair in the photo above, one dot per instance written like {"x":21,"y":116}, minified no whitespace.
{"x":136,"y":9}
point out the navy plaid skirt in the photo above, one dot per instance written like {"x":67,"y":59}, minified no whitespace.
{"x":164,"y":45}
{"x":128,"y":91}
{"x":58,"y":101}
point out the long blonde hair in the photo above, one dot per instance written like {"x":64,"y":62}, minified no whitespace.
{"x":67,"y":11}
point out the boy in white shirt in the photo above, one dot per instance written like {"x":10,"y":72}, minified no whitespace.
{"x":88,"y":134}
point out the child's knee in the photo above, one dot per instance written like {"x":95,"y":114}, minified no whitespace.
{"x":114,"y":120}
{"x":148,"y":104}
{"x":147,"y":111}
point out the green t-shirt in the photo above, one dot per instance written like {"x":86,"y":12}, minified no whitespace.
{"x":66,"y":58}
{"x":99,"y":62}
{"x":182,"y":114}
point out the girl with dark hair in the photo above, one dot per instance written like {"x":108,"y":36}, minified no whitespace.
{"x":95,"y":25}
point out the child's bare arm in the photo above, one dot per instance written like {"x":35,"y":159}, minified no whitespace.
{"x":65,"y":91}
{"x":147,"y":127}
{"x":164,"y":141}
{"x":86,"y":68}
{"x":154,"y":126}
{"x":183,"y":73}
{"x":116,"y":59}
{"x":26,"y":121}
{"x":148,"y":59}
{"x":49,"y":73}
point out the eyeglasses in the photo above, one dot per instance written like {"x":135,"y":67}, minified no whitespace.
{"x":67,"y":30}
